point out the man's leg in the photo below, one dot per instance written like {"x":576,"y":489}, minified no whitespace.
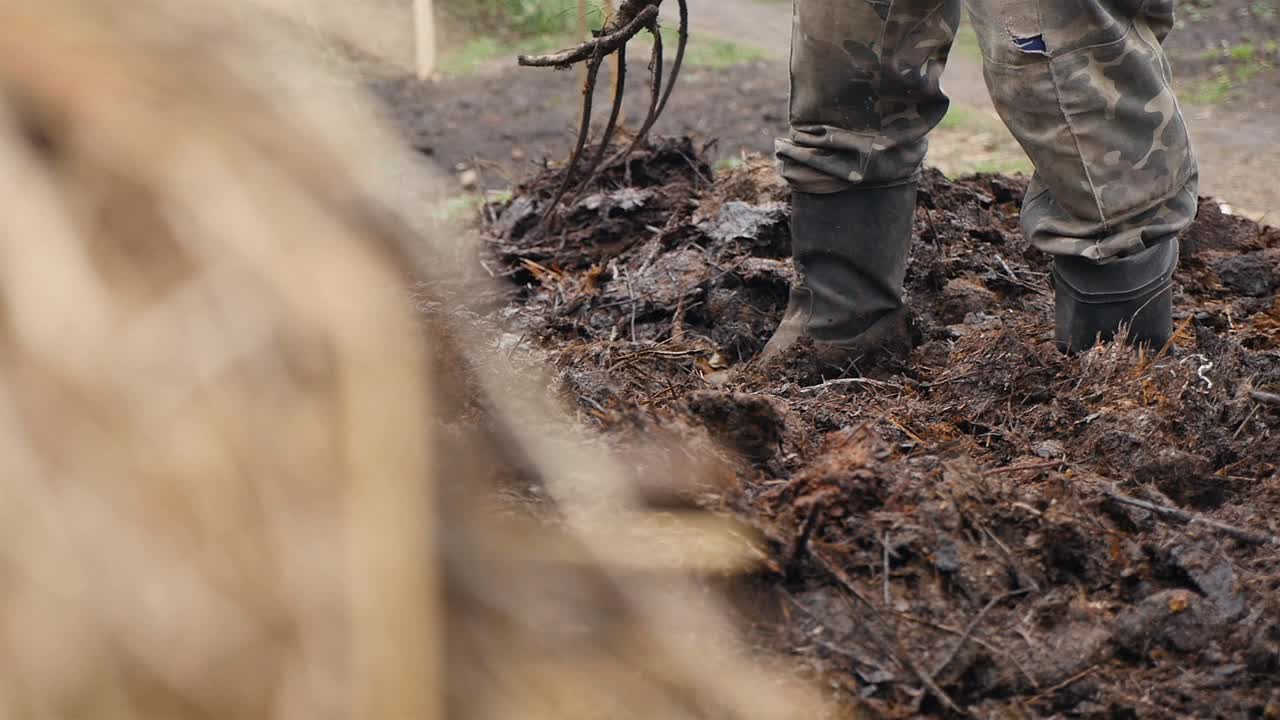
{"x":864,"y":94}
{"x":1084,"y":86}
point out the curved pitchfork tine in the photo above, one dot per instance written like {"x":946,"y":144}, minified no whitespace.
{"x":619,"y":87}
{"x":655,"y":99}
{"x":682,"y":41}
{"x":632,"y":17}
{"x":658,"y":105}
{"x":588,"y":91}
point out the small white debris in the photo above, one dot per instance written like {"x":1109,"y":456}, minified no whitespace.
{"x":1201,"y":372}
{"x":1205,"y":366}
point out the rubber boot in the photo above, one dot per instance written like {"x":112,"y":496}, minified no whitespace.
{"x":1092,"y":301}
{"x":850,"y":250}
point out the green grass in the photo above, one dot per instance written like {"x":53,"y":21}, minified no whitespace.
{"x":471,"y":56}
{"x":998,"y":165}
{"x":1249,"y":72}
{"x":466,"y":207}
{"x":1244,"y":52}
{"x":506,"y":28}
{"x":1188,"y":12}
{"x":485,"y":50}
{"x":969,"y":140}
{"x":524,"y":17}
{"x":967,"y":40}
{"x":726,"y":164}
{"x":1220,"y":87}
{"x":1208,"y":92}
{"x":992,"y":167}
{"x":713,"y":52}
{"x":704,"y":51}
{"x":958,"y":118}
{"x":457,"y":208}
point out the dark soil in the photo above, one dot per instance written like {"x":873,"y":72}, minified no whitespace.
{"x":512,"y":123}
{"x":958,"y":532}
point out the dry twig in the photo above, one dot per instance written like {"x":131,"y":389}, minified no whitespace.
{"x":1168,"y":345}
{"x":973,"y":625}
{"x":848,"y":381}
{"x":1064,"y":684}
{"x":1164,"y":512}
{"x":906,"y":661}
{"x":1265,"y":398}
{"x":1019,"y":468}
{"x":802,"y":539}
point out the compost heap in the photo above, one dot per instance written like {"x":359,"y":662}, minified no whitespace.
{"x":991,"y":528}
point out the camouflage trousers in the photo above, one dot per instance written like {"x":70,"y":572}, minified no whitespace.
{"x":1083,"y":85}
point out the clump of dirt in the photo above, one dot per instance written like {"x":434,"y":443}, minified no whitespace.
{"x":992,"y":528}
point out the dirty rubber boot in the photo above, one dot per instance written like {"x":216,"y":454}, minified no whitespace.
{"x":1093,"y":300}
{"x":850,"y":250}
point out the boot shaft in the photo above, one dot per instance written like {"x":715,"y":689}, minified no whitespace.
{"x":850,"y":250}
{"x":1093,"y":301}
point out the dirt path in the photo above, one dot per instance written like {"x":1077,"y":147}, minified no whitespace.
{"x":1239,"y":146}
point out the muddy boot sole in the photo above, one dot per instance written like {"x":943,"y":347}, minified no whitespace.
{"x":889,"y":340}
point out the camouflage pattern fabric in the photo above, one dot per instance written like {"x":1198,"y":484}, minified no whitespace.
{"x":1083,"y":85}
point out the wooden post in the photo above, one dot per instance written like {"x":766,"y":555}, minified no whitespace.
{"x":424,"y":22}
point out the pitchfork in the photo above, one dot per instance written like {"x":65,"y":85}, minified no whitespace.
{"x":632,"y":17}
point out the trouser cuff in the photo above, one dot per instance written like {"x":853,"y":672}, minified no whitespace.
{"x":1119,"y":279}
